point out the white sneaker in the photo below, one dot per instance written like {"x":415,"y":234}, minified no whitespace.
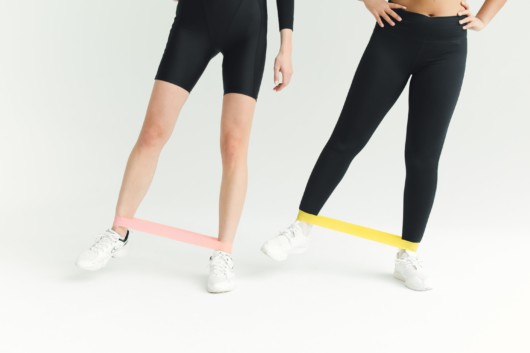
{"x":107,"y":245}
{"x":292,"y":240}
{"x":222,"y":278}
{"x":409,"y":269}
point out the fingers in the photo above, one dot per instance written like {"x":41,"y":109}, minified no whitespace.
{"x":282,"y":77}
{"x":388,"y":19}
{"x":388,"y":15}
{"x":470,"y":19}
{"x":472,"y":23}
{"x":378,"y":19}
{"x":467,"y":26}
{"x":394,"y":14}
{"x":286,"y":80}
{"x":280,"y":87}
{"x":276,"y":75}
{"x":467,"y":20}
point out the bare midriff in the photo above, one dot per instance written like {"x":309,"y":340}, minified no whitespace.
{"x":432,"y":8}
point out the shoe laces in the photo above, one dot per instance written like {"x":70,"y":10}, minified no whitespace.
{"x":414,"y":261}
{"x":103,"y":243}
{"x":289,"y":233}
{"x":221,"y":264}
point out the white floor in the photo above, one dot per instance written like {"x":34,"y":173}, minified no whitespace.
{"x":338,"y":297}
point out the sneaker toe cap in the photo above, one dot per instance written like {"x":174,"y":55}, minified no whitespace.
{"x":215,"y":286}
{"x":419,"y":283}
{"x":87,"y":261}
{"x":274,"y":250}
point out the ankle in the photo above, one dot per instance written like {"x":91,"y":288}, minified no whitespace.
{"x":121,"y":231}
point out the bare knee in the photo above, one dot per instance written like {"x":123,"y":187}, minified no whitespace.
{"x":153,"y":136}
{"x":233,"y":149}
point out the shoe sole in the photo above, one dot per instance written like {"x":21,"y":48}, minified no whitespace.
{"x":273,"y":256}
{"x":220,"y":290}
{"x":398,"y":276}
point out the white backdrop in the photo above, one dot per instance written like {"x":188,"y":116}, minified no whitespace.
{"x":75,"y":77}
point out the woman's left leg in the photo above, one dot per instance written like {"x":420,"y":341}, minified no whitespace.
{"x":243,"y":47}
{"x":244,"y":51}
{"x":236,"y":122}
{"x":434,"y":91}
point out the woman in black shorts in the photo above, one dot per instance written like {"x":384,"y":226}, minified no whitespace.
{"x":201,"y":30}
{"x":421,"y":41}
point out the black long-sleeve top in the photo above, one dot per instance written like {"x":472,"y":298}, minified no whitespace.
{"x":285,"y":13}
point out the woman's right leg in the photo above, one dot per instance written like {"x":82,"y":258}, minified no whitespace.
{"x":187,"y":53}
{"x":380,"y":78}
{"x":164,"y":107}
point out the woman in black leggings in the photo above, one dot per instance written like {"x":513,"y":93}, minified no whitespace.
{"x":421,"y":41}
{"x":201,"y":30}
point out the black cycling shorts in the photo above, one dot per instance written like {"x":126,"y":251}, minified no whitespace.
{"x":204,"y":28}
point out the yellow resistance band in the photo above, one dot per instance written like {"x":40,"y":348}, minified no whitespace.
{"x":353,"y":229}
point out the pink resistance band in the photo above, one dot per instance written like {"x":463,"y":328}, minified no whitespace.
{"x":172,"y":233}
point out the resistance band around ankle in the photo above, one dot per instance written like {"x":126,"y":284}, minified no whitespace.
{"x":172,"y":233}
{"x":360,"y":231}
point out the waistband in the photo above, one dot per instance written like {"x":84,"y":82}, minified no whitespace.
{"x":423,"y":27}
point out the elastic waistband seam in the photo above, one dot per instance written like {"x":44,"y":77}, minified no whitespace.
{"x":423,"y":17}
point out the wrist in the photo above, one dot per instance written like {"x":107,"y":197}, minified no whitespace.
{"x":286,"y":46}
{"x":285,"y":50}
{"x":484,"y":22}
{"x":286,"y":37}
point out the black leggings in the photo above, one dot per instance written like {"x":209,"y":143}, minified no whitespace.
{"x":431,"y":51}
